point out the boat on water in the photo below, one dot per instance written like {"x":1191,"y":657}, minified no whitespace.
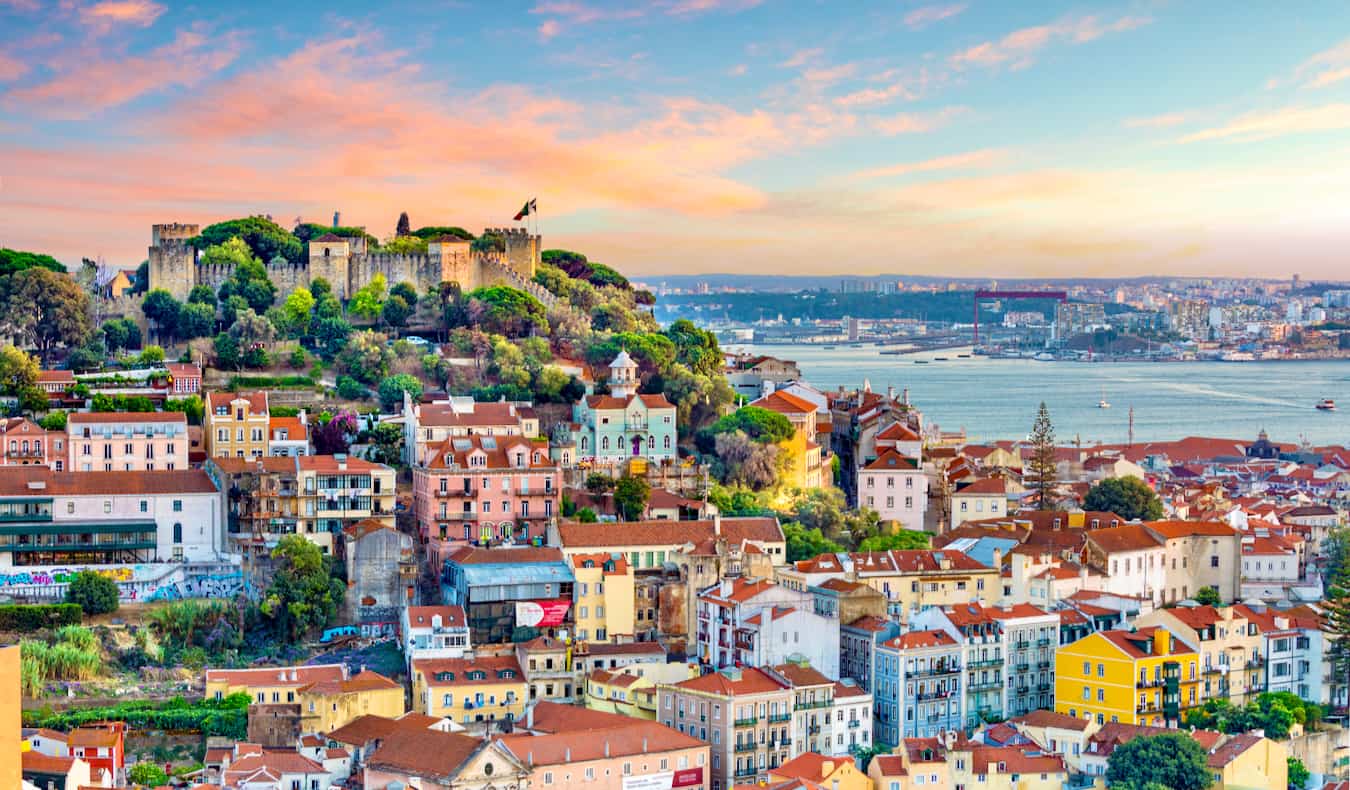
{"x":1103,"y":403}
{"x":963,"y":356}
{"x":1326,"y":404}
{"x":939,"y":359}
{"x":828,"y":348}
{"x":921,"y":362}
{"x":1044,"y":356}
{"x":892,"y":353}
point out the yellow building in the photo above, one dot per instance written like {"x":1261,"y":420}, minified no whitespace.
{"x":1005,"y":768}
{"x":631,"y":690}
{"x":602,"y":597}
{"x":837,"y":773}
{"x":236,"y":424}
{"x":11,"y":745}
{"x":1146,"y":676}
{"x":803,"y":453}
{"x":1249,"y":762}
{"x":470,"y":690}
{"x":327,"y":696}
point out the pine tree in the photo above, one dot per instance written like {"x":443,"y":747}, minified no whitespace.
{"x":404,"y":226}
{"x":1042,"y":467}
{"x":1336,"y":615}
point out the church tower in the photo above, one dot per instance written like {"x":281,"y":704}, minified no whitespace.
{"x":623,"y":376}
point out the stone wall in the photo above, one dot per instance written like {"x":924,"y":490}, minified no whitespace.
{"x":1320,"y":750}
{"x":274,"y":726}
{"x":172,"y":267}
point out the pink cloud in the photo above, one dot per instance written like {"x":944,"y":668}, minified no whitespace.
{"x":873,"y":96}
{"x":1283,"y":122}
{"x":924,"y":16}
{"x":11,"y":69}
{"x":1018,"y":49}
{"x":111,"y":13}
{"x":1328,"y":67}
{"x":570,"y":13}
{"x":1163,"y":121}
{"x":1330,"y":77}
{"x":915,"y":122}
{"x":82,"y":88}
{"x":802,"y":57}
{"x":964,"y":161}
{"x":549,"y":29}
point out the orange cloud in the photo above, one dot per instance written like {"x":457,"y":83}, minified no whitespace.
{"x":970,"y":159}
{"x":82,"y":89}
{"x":924,"y":16}
{"x":914,"y":122}
{"x":1164,"y":121}
{"x":1278,"y":123}
{"x":107,"y":14}
{"x":1018,"y":49}
{"x":1328,"y":67}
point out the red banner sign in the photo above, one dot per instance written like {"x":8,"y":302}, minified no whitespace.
{"x":688,"y":777}
{"x":542,"y":614}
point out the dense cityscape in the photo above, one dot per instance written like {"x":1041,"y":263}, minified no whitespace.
{"x":674,"y":395}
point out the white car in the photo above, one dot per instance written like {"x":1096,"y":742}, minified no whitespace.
{"x":417,"y":340}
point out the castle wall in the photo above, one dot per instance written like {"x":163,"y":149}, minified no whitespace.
{"x":287,"y":277}
{"x":331,"y":268}
{"x":172,"y":263}
{"x":523,"y":250}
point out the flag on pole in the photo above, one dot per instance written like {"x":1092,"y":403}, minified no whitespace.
{"x":526,"y":210}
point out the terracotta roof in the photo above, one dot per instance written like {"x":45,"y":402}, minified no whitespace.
{"x":490,"y":666}
{"x":429,"y":754}
{"x":846,"y":690}
{"x":842,"y":586}
{"x":742,"y":590}
{"x":553,"y":717}
{"x":1049,"y":718}
{"x":332,"y":463}
{"x":916,"y":640}
{"x":1128,"y":642}
{"x":273,"y":762}
{"x":869,"y":622}
{"x":365,"y":680}
{"x":257,"y":401}
{"x":444,"y":415}
{"x":1011,"y":760}
{"x":1126,"y":537}
{"x":101,"y":417}
{"x":890,"y":765}
{"x":1112,"y":734}
{"x":610,"y":402}
{"x":329,"y":236}
{"x":811,"y":766}
{"x":295,"y":430}
{"x":564,"y":748}
{"x":94,"y":736}
{"x":496,"y":452}
{"x":618,"y":562}
{"x":667,"y":533}
{"x":420,"y":616}
{"x":46,"y":763}
{"x":801,"y":675}
{"x":1233,"y":748}
{"x":913,"y":561}
{"x":785,"y":403}
{"x":54,"y":376}
{"x":917,"y":747}
{"x":1183,"y":529}
{"x":898,"y":431}
{"x":987,"y":487}
{"x":751,"y":681}
{"x":38,"y":481}
{"x":180,"y":369}
{"x":473,"y":555}
{"x":364,"y":729}
{"x":277,"y":676}
{"x":1196,"y":616}
{"x":891,"y":460}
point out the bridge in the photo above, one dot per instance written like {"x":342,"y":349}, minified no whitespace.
{"x":1059,"y":296}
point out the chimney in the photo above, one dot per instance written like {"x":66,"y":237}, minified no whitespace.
{"x":644,"y":744}
{"x":1160,"y":641}
{"x":905,"y":397}
{"x":717,"y":525}
{"x":606,"y":747}
{"x":890,"y":392}
{"x":567,"y":754}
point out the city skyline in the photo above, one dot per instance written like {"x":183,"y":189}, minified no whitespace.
{"x":1045,"y":139}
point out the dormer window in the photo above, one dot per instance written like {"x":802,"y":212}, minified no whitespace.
{"x":476,"y":674}
{"x":506,"y":673}
{"x":444,"y":676}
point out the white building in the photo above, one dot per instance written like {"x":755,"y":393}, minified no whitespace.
{"x":434,"y":632}
{"x":754,"y":622}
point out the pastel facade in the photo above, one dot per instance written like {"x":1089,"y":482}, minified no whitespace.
{"x":1146,"y":676}
{"x":25,"y":443}
{"x":918,"y":691}
{"x":804,"y":464}
{"x":126,"y":441}
{"x":603,"y":597}
{"x":624,"y":424}
{"x":236,"y":425}
{"x":473,"y":692}
{"x":426,"y":426}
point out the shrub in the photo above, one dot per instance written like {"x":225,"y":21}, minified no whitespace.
{"x":35,"y":617}
{"x":268,"y":382}
{"x":349,"y":388}
{"x":93,"y":592}
{"x":227,"y":717}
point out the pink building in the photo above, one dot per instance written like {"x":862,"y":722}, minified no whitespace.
{"x":126,"y":441}
{"x":187,"y":378}
{"x":25,"y":443}
{"x":487,"y":490}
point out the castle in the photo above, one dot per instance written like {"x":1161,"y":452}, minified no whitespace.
{"x":347,"y":264}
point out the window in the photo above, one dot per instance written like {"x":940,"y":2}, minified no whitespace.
{"x":178,"y":506}
{"x":177,"y":533}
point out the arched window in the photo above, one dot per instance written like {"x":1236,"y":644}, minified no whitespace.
{"x":177,"y":533}
{"x":651,"y":442}
{"x":584,"y":443}
{"x":667,"y":442}
{"x":604,"y":443}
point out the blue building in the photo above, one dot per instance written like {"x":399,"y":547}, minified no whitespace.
{"x":918,"y":687}
{"x":509,"y":594}
{"x":613,"y":428}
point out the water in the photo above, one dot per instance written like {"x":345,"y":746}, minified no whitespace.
{"x":998,"y":398}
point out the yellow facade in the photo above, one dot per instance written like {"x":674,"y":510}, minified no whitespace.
{"x":1263,"y":766}
{"x":236,"y":426}
{"x":325,"y":710}
{"x":631,"y":690}
{"x":327,"y":700}
{"x":1121,"y":676}
{"x":11,"y":745}
{"x":837,"y":773}
{"x":603,"y":597}
{"x":470,"y":691}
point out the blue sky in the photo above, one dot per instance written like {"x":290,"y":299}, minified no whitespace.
{"x":678,"y":136}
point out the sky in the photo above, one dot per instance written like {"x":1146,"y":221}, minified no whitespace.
{"x":994,"y":138}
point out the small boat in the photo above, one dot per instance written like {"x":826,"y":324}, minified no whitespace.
{"x":963,"y":356}
{"x":828,"y":348}
{"x":939,"y":359}
{"x":1044,"y":356}
{"x":921,"y":362}
{"x":1103,"y":403}
{"x":1326,"y":404}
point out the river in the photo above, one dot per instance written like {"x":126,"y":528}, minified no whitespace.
{"x":998,"y":398}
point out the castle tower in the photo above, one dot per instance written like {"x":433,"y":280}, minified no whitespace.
{"x":450,"y":258}
{"x":623,"y":376}
{"x":523,"y":250}
{"x":330,"y":258}
{"x":172,"y":258}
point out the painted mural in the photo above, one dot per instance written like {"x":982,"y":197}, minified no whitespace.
{"x":149,"y":582}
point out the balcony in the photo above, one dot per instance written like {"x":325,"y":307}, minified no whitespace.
{"x":951,"y":669}
{"x":745,"y":773}
{"x":854,"y":724}
{"x":811,"y":705}
{"x":1043,"y":686}
{"x":750,"y":722}
{"x":814,"y":729}
{"x":1212,"y":671}
{"x":984,"y":662}
{"x":1023,"y":667}
{"x":745,"y":747}
{"x":984,"y":685}
{"x":776,"y":718}
{"x":1147,"y":707}
{"x":1044,"y":642}
{"x":1043,"y":664}
{"x":1021,"y":645}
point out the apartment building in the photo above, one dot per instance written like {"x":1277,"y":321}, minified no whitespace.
{"x":803,"y":454}
{"x":236,"y":424}
{"x":919,"y":686}
{"x":1145,"y":676}
{"x":426,"y":426}
{"x":911,"y":580}
{"x":25,"y":443}
{"x":486,"y":490}
{"x":858,"y":641}
{"x":474,"y":692}
{"x":1229,"y":645}
{"x":603,"y":597}
{"x":829,"y":717}
{"x":754,"y":622}
{"x":434,"y":632}
{"x":744,"y":714}
{"x":288,"y":435}
{"x":126,"y":441}
{"x":1168,"y":561}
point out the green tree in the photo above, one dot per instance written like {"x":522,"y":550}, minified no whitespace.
{"x":191,"y":407}
{"x":151,"y":355}
{"x":1208,"y":596}
{"x":1173,"y":759}
{"x":45,"y":308}
{"x":759,"y":424}
{"x":503,"y":310}
{"x":804,"y":543}
{"x":630,"y":497}
{"x":587,"y":516}
{"x":230,"y":308}
{"x":366,"y":357}
{"x":15,"y":261}
{"x":395,"y":311}
{"x":54,"y":421}
{"x":436,"y":231}
{"x":93,"y":592}
{"x":695,"y":348}
{"x":331,"y":335}
{"x":249,"y":280}
{"x":196,"y":319}
{"x":227,"y":352}
{"x":18,"y":370}
{"x":1298,"y":773}
{"x":405,"y":290}
{"x":386,"y":444}
{"x":1127,"y":497}
{"x":392,"y":389}
{"x":369,"y":300}
{"x":742,"y":461}
{"x":905,"y":539}
{"x":298,"y":310}
{"x":162,"y":309}
{"x":148,"y":774}
{"x":202,"y":294}
{"x":1041,"y":473}
{"x":303,"y":595}
{"x":252,"y":330}
{"x":265,"y":239}
{"x":118,"y":334}
{"x":349,"y":388}
{"x":598,"y":483}
{"x":404,"y":245}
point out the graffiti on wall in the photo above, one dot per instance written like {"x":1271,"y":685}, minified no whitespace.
{"x":220,"y":585}
{"x":163,"y":582}
{"x":45,"y":578}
